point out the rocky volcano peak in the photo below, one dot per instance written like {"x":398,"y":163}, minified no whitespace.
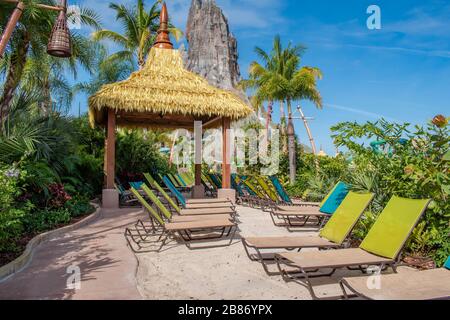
{"x":212,"y":50}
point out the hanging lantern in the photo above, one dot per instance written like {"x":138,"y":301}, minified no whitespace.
{"x":60,"y":44}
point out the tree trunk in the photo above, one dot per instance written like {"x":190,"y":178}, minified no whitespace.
{"x":15,"y":71}
{"x":284,"y":142}
{"x":291,"y":145}
{"x":269,"y":118}
{"x":47,"y":104}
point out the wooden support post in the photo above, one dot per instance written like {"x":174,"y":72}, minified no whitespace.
{"x":10,"y":26}
{"x":110,"y":150}
{"x":198,"y":141}
{"x":198,"y":174}
{"x":226,"y":153}
{"x":198,"y":191}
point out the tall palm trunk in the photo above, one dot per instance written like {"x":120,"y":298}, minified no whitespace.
{"x":141,"y":59}
{"x":291,"y":145}
{"x":46,"y":106}
{"x":269,"y":117}
{"x":15,"y":72}
{"x":141,"y":63}
{"x":284,"y":142}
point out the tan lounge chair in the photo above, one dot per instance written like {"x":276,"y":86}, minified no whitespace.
{"x":381,"y":247}
{"x":292,"y":220}
{"x":195,"y":229}
{"x":408,"y":285}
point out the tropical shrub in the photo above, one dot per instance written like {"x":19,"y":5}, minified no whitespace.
{"x":316,"y":175}
{"x":79,"y":206}
{"x":42,"y":220}
{"x":413,"y":164}
{"x":11,"y":226}
{"x":137,"y":153}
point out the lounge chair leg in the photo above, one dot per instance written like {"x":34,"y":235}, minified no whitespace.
{"x":259,"y":258}
{"x":345,"y":295}
{"x":246,"y":248}
{"x":273,"y":219}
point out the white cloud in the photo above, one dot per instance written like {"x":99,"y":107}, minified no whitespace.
{"x":360,"y":112}
{"x":421,"y":21}
{"x":248,"y":14}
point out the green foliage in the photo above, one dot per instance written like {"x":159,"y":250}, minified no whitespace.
{"x":413,"y":166}
{"x":137,"y":152}
{"x":11,"y":226}
{"x":43,"y":220}
{"x":316,"y":176}
{"x":364,"y":224}
{"x":79,"y":206}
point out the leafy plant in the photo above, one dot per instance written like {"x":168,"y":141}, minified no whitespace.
{"x":11,"y":226}
{"x":412,"y":164}
{"x":43,"y":220}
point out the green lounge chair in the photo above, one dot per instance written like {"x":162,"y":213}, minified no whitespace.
{"x":187,"y":231}
{"x":187,"y":215}
{"x":209,"y":187}
{"x":189,"y":212}
{"x":173,"y":180}
{"x":215,"y":180}
{"x":381,"y":247}
{"x":197,"y":203}
{"x":186,"y":179}
{"x":294,"y":206}
{"x":310,"y":216}
{"x":169,"y":216}
{"x":408,"y":285}
{"x":333,"y":235}
{"x":250,"y":197}
{"x":257,"y":197}
{"x":288,"y":203}
{"x":270,"y":193}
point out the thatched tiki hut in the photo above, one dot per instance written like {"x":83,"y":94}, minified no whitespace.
{"x":164,"y":95}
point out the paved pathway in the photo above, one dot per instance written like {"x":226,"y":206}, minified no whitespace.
{"x":107,"y":266}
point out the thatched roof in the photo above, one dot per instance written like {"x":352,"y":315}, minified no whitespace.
{"x":164,"y":94}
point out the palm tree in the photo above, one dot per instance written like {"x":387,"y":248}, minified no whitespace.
{"x":139,"y":31}
{"x":29,"y":41}
{"x":264,"y":77}
{"x":107,"y":72}
{"x":298,"y":84}
{"x":280,"y":78}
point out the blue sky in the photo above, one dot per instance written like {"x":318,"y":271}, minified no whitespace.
{"x":401,"y":72}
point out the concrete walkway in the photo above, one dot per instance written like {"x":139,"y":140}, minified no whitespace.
{"x":99,"y":250}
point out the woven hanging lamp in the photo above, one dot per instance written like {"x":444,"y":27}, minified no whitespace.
{"x":60,"y":44}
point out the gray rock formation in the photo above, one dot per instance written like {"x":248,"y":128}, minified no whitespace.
{"x":212,"y":50}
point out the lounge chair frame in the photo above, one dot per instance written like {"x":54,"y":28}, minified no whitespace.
{"x":303,"y":276}
{"x":292,"y":222}
{"x":187,"y":236}
{"x":259,"y":256}
{"x":307,"y":274}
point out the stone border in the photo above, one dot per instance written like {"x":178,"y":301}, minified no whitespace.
{"x":21,"y":262}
